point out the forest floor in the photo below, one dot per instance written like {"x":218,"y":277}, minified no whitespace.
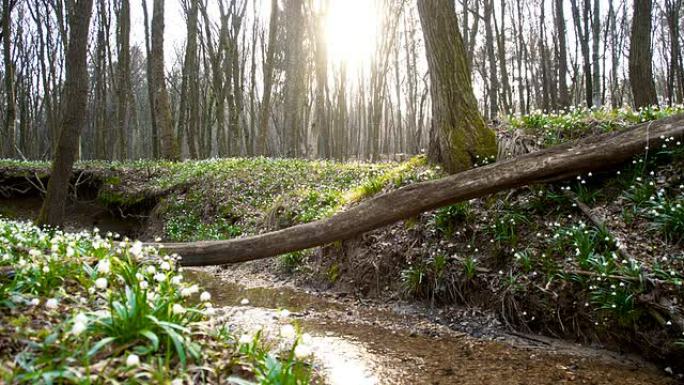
{"x":597,"y":260}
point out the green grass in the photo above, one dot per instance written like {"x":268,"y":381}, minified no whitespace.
{"x":83,"y":306}
{"x":556,"y":128}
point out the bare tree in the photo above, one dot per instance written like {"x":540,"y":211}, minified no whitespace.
{"x":162,"y":108}
{"x":8,"y":132}
{"x":123,"y":89}
{"x":640,"y":53}
{"x":76,"y":95}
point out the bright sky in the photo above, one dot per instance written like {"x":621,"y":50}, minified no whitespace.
{"x":350,"y":28}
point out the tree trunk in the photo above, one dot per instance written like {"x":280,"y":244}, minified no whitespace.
{"x":188,"y":121}
{"x":123,"y":89}
{"x":640,"y":56}
{"x":162,"y":109}
{"x":150,"y":82}
{"x":8,"y":132}
{"x":294,"y":75}
{"x":564,"y":95}
{"x":76,"y":96}
{"x":595,"y":57}
{"x":463,"y":137}
{"x":561,"y":162}
{"x":269,"y":62}
{"x":491,"y":59}
{"x":582,"y":29}
{"x":675,"y":79}
{"x":322,"y":126}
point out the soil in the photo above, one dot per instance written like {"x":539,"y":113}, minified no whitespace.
{"x":360,"y":342}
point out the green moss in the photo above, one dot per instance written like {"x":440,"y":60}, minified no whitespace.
{"x":117,"y":198}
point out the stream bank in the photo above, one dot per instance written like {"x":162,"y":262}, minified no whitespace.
{"x":355,"y":341}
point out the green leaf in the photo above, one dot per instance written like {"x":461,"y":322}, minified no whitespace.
{"x":152,"y":337}
{"x":99,"y":345}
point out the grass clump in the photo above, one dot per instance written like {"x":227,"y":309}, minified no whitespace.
{"x":667,"y":217}
{"x":554,"y":128}
{"x":447,"y":218}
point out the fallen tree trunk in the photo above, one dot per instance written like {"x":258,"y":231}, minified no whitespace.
{"x":556,"y":163}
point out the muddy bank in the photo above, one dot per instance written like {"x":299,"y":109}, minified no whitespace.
{"x":362,"y":343}
{"x":112,"y":201}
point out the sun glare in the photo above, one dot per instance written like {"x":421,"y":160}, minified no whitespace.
{"x":350,"y":30}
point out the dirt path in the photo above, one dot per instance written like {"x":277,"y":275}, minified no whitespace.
{"x":356,"y":343}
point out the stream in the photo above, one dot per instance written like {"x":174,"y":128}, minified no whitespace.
{"x":355,"y":343}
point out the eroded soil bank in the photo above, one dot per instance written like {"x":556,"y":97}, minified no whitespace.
{"x":358,"y":342}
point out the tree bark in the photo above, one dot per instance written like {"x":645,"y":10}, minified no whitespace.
{"x":162,"y":109}
{"x":596,"y":153}
{"x":188,"y":121}
{"x":124,"y":73}
{"x":491,"y":59}
{"x":269,"y":62}
{"x":564,"y":95}
{"x":582,"y":29}
{"x":294,"y":75}
{"x":463,"y":137}
{"x":76,"y":96}
{"x":640,"y":56}
{"x":150,"y":82}
{"x":595,"y":57}
{"x":8,"y":132}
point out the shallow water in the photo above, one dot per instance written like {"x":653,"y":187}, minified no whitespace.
{"x":355,"y":344}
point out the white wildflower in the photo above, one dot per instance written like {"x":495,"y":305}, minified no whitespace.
{"x":136,"y":249}
{"x":51,"y":303}
{"x":288,"y":331}
{"x":101,"y":283}
{"x":245,"y":339}
{"x":205,"y":296}
{"x":104,"y":266}
{"x":132,"y":360}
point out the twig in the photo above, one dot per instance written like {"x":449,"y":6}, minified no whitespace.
{"x":598,"y":222}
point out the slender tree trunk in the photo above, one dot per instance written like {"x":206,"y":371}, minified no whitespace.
{"x":150,"y":82}
{"x":321,"y":98}
{"x":543,"y":61}
{"x":76,"y":96}
{"x":8,"y":132}
{"x":188,"y":121}
{"x":294,"y":75}
{"x":265,"y":109}
{"x":506,"y":94}
{"x":162,"y":108}
{"x":640,"y":56}
{"x":491,"y":57}
{"x":463,"y":137}
{"x":472,"y":39}
{"x":123,"y":89}
{"x":564,"y":100}
{"x":582,"y":29}
{"x":615,"y":59}
{"x":675,"y":81}
{"x":595,"y":57}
